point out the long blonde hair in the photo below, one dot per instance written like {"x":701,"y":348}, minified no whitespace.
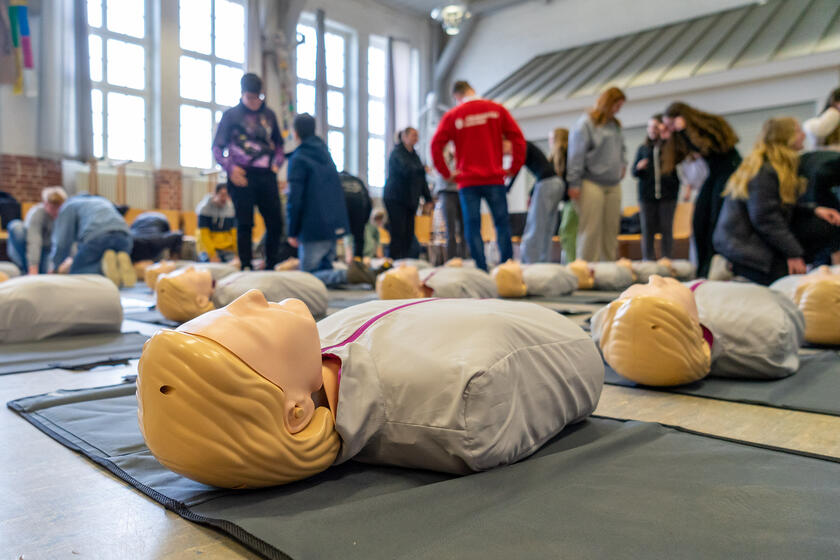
{"x":559,"y":146}
{"x":773,"y":146}
{"x":600,"y":113}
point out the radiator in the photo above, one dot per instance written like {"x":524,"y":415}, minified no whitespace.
{"x":193,"y":189}
{"x":139,"y":187}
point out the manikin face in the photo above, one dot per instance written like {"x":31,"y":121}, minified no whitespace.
{"x":197,"y":280}
{"x":277,"y":340}
{"x":668,"y":289}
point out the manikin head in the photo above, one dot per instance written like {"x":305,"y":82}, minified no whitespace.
{"x":3,"y":276}
{"x":586,"y":281}
{"x":402,"y":282}
{"x":227,"y":399}
{"x":652,"y":334}
{"x":185,"y":294}
{"x":252,"y":94}
{"x":509,"y":281}
{"x":153,"y":272}
{"x":462,"y":90}
{"x":818,"y":297}
{"x":455,"y":262}
{"x":628,"y":264}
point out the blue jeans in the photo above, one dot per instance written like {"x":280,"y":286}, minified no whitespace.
{"x":89,"y":253}
{"x":316,"y":257}
{"x":541,"y":224}
{"x":16,"y":248}
{"x":496,"y":197}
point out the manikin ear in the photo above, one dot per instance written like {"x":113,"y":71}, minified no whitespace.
{"x":201,"y":300}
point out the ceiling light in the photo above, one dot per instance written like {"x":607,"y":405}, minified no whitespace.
{"x":451,"y":17}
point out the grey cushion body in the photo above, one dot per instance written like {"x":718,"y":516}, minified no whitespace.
{"x":757,"y":331}
{"x":492,"y":381}
{"x":10,"y":269}
{"x":37,"y":307}
{"x":645,"y":269}
{"x":787,"y":284}
{"x":455,"y":282}
{"x":275,"y":286}
{"x":549,"y":280}
{"x":683,"y":270}
{"x":609,"y":276}
{"x":416,"y":263}
{"x":218,"y":270}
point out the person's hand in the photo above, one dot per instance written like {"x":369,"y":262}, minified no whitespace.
{"x":32,"y":269}
{"x":237,"y":176}
{"x":64,"y":267}
{"x":574,"y":193}
{"x":830,"y":215}
{"x":275,"y":169}
{"x":293,"y":242}
{"x":796,"y":266}
{"x":623,"y":171}
{"x":454,"y":174}
{"x":679,"y":123}
{"x":428,"y":207}
{"x":643,"y":163}
{"x":215,"y":259}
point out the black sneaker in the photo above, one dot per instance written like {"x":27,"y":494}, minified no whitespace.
{"x":358,"y":273}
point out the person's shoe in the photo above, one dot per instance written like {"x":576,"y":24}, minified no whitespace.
{"x":128,"y":277}
{"x":110,"y":267}
{"x":357,"y":273}
{"x":387,"y":265}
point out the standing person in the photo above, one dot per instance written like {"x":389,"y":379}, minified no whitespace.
{"x":316,"y":208}
{"x":251,"y":136}
{"x":824,"y":131}
{"x":712,"y":137}
{"x":359,"y":207}
{"x":29,"y":242}
{"x":760,"y":224}
{"x":659,"y":187}
{"x":541,"y":223}
{"x":103,"y":242}
{"x":477,"y":127}
{"x":596,"y":164}
{"x":405,"y":185}
{"x":447,"y":193}
{"x":216,"y":226}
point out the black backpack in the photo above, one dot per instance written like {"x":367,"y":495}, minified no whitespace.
{"x":9,"y":209}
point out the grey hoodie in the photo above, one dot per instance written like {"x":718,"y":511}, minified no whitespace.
{"x":596,"y":153}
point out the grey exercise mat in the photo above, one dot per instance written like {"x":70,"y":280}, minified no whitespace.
{"x":584,"y":296}
{"x":139,"y":289}
{"x":814,"y":388}
{"x":70,"y":352}
{"x":151,"y":316}
{"x":603,"y":488}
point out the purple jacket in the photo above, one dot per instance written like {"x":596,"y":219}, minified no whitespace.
{"x":251,"y":139}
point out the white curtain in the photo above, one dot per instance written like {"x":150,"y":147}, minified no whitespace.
{"x":64,"y":115}
{"x":272,"y":39}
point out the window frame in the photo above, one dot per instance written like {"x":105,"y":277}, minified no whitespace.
{"x":214,"y":60}
{"x":104,"y":87}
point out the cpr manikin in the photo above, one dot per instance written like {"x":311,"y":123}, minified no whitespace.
{"x":153,"y":271}
{"x":406,"y":282}
{"x":256,"y":394}
{"x":9,"y":269}
{"x":188,"y":292}
{"x":818,"y":297}
{"x":217,"y":270}
{"x":607,"y":276}
{"x":36,"y":307}
{"x":667,"y":333}
{"x":3,"y":276}
{"x":509,"y":280}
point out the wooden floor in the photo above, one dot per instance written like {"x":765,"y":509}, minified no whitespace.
{"x":55,"y":504}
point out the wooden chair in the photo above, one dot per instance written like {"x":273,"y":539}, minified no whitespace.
{"x":189,"y":223}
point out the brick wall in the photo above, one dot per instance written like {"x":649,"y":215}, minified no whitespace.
{"x":24,"y":176}
{"x":168,"y":189}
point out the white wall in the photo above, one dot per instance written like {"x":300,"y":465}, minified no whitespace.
{"x":18,"y":124}
{"x":504,"y":41}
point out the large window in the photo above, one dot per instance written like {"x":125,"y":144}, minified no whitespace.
{"x":211,"y":63}
{"x":336,"y":44}
{"x":377,"y":87}
{"x":118,"y":44}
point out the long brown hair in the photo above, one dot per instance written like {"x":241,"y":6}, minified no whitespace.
{"x":601,"y":112}
{"x":773,"y":146}
{"x":709,"y":133}
{"x":559,"y":146}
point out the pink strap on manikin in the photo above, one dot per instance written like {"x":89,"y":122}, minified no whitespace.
{"x":707,"y":334}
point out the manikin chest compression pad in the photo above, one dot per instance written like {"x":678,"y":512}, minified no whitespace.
{"x":275,"y":286}
{"x":610,"y":276}
{"x":42,"y":306}
{"x":459,"y":282}
{"x":602,"y":488}
{"x":486,"y":393}
{"x":549,"y":280}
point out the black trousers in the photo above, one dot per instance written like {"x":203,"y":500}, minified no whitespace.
{"x":657,"y":216}
{"x":401,"y":229}
{"x":261,"y":192}
{"x":456,"y":245}
{"x":818,"y":238}
{"x":358,"y":213}
{"x":150,"y":246}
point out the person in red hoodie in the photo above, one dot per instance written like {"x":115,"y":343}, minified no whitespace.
{"x":477,"y":127}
